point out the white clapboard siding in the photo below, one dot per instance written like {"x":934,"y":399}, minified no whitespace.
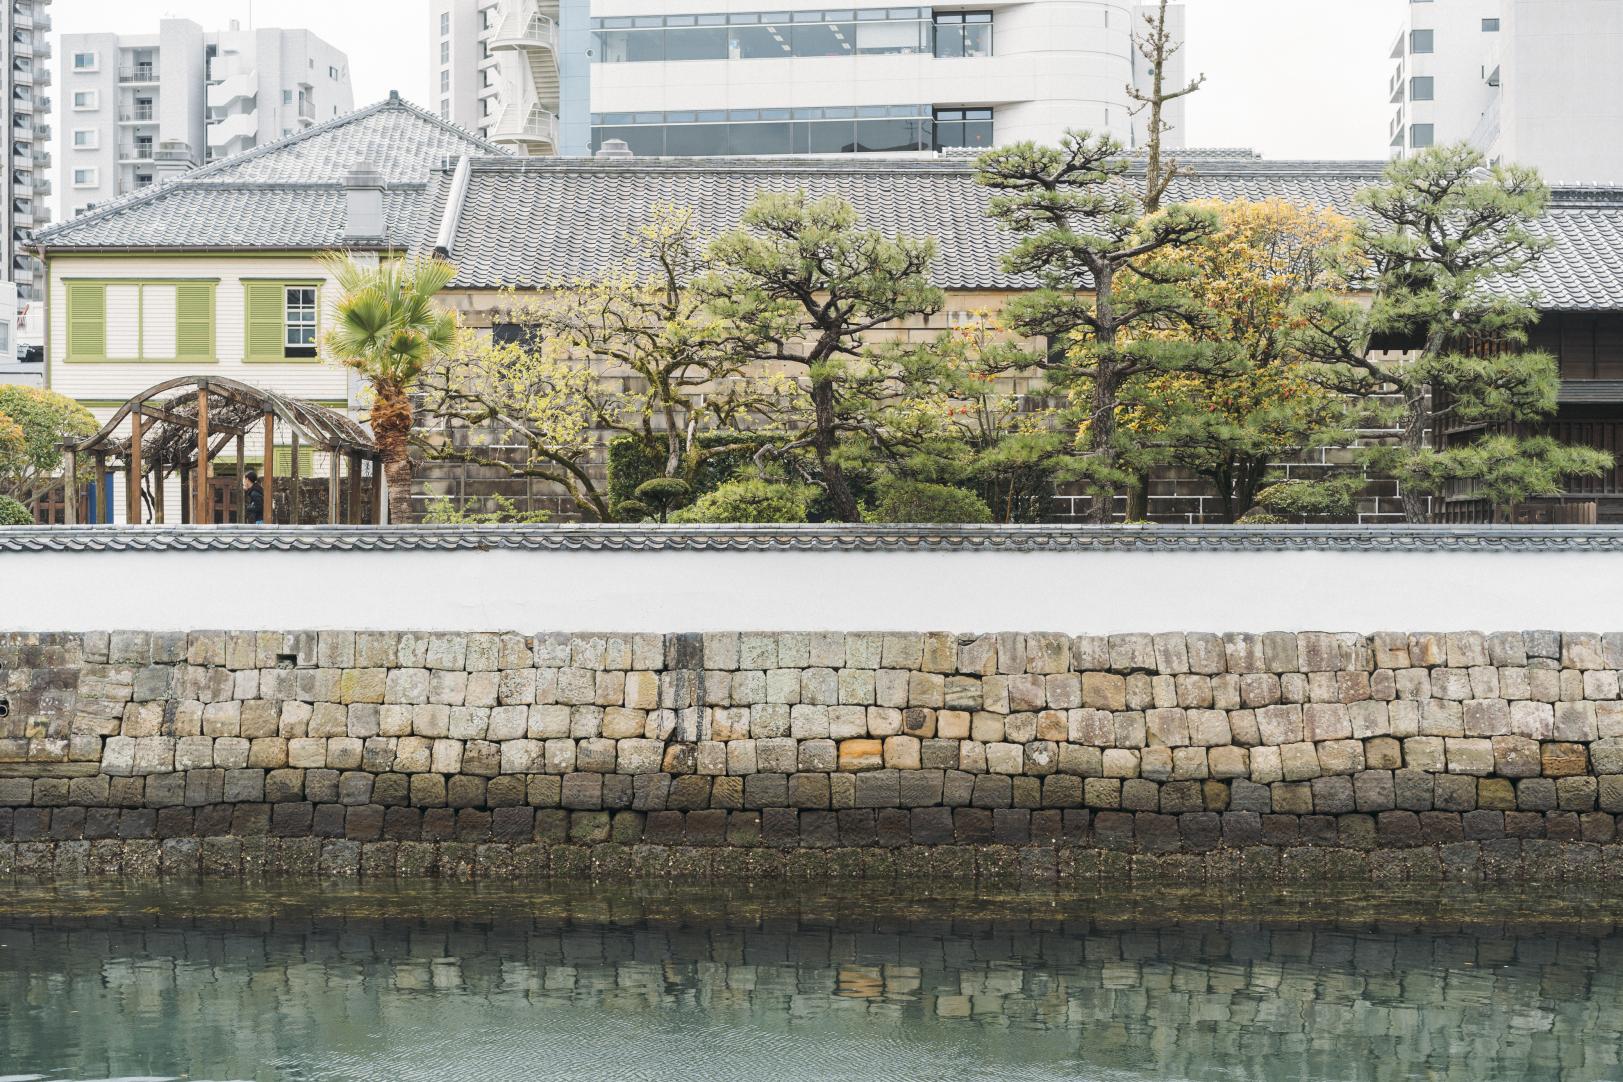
{"x":157,"y":321}
{"x":123,"y":322}
{"x":116,"y":382}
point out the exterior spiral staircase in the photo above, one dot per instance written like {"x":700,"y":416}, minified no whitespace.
{"x":526,"y":39}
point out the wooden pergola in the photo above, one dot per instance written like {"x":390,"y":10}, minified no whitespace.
{"x":182,"y":425}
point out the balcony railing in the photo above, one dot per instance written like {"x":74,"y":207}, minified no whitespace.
{"x":534,"y":125}
{"x":307,"y":109}
{"x":135,"y":152}
{"x":138,"y":73}
{"x":140,"y":115}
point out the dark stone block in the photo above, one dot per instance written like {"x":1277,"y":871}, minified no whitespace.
{"x":1026,"y":792}
{"x":1524,"y":824}
{"x":1441,"y":827}
{"x":166,"y":790}
{"x":958,"y":788}
{"x":972,"y":826}
{"x":1157,"y":833}
{"x":391,"y":790}
{"x":689,"y":792}
{"x":1562,"y":826}
{"x":583,"y":791}
{"x":766,"y":791}
{"x":618,"y":792}
{"x":1333,"y":795}
{"x":552,"y":825}
{"x":1482,"y":825}
{"x":932,"y":826}
{"x":512,"y":825}
{"x":99,"y":823}
{"x":1011,"y":826}
{"x":251,"y":820}
{"x":744,"y":828}
{"x":1454,"y":793}
{"x":213,"y":821}
{"x":1411,"y":790}
{"x":67,"y":824}
{"x":1248,"y":796}
{"x":588,"y":827}
{"x":1062,"y":791}
{"x":1317,"y":830}
{"x":321,"y":786}
{"x":364,"y":823}
{"x":1076,"y":821}
{"x":465,"y":791}
{"x":1047,"y":826}
{"x":707,"y":827}
{"x":284,"y":786}
{"x":919,"y":788}
{"x":894,"y":827}
{"x":1140,"y":794}
{"x":402,"y":824}
{"x":1280,"y":830}
{"x":625,"y":827}
{"x":820,"y":829}
{"x":204,"y":787}
{"x":1398,"y":829}
{"x":473,"y":825}
{"x":1113,"y":830}
{"x":126,"y":792}
{"x":649,"y":791}
{"x":780,"y":826}
{"x":292,"y":820}
{"x":1598,"y":827}
{"x":808,"y":790}
{"x":727,"y":792}
{"x":1178,"y":797}
{"x":507,"y":791}
{"x":1201,"y":830}
{"x":1242,"y":828}
{"x":1356,"y":831}
{"x":992,"y":791}
{"x":328,"y":821}
{"x":876,"y":789}
{"x":439,"y":825}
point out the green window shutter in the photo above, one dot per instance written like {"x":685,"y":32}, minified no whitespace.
{"x":194,"y":321}
{"x":266,"y":331}
{"x":87,"y":320}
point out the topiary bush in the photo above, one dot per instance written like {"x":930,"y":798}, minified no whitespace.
{"x":13,"y":513}
{"x":1296,"y":501}
{"x":750,"y":500}
{"x":922,"y":501}
{"x":632,"y":463}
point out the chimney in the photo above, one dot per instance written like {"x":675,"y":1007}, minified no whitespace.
{"x":172,"y":158}
{"x":363,"y":193}
{"x":614,"y":148}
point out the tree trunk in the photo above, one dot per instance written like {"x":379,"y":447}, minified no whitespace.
{"x":839,"y":490}
{"x":1414,"y":442}
{"x":1138,"y":498}
{"x":1102,"y":444}
{"x":391,"y":430}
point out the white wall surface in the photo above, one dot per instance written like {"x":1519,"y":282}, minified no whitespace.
{"x":668,"y":591}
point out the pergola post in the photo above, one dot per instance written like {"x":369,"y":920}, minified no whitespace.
{"x":132,"y":472}
{"x":104,"y":499}
{"x":268,"y":475}
{"x":70,"y":491}
{"x":377,"y":490}
{"x":157,"y":495}
{"x":240,"y":496}
{"x":334,"y":461}
{"x":292,"y":484}
{"x":204,"y":515}
{"x":188,"y":502}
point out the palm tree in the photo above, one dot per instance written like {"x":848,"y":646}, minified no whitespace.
{"x":388,"y":329}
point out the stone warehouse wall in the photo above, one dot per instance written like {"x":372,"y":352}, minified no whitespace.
{"x":500,"y":754}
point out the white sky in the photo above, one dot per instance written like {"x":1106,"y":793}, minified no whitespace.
{"x":1290,"y":78}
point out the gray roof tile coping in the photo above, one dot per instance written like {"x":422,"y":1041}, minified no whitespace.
{"x":833,"y":537}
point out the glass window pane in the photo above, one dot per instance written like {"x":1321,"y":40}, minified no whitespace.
{"x":978,"y":40}
{"x":1421,"y":88}
{"x":977,"y":133}
{"x":887,"y":135}
{"x":645,"y":45}
{"x":759,"y":42}
{"x":644,"y":141}
{"x":706,"y":43}
{"x":949,"y":133}
{"x":766,"y":138}
{"x":949,"y":40}
{"x":695,"y":140}
{"x":1420,"y":41}
{"x":1421,"y":136}
{"x":826,"y":39}
{"x":830,"y":137}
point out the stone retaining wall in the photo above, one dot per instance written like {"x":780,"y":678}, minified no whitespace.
{"x":819,"y":754}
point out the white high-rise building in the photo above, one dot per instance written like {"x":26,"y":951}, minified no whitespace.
{"x":25,"y":25}
{"x":1525,"y":81}
{"x":714,"y":77}
{"x":135,"y":107}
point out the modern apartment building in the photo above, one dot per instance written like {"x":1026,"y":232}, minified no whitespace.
{"x":137,"y":107}
{"x":517,"y":72}
{"x":1528,"y":81}
{"x":728,"y":77}
{"x":26,"y":25}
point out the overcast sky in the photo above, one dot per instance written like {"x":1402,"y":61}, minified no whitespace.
{"x":1290,"y":78}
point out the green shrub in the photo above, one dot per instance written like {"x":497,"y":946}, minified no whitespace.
{"x":750,"y":500}
{"x":1255,"y":517}
{"x":922,"y":501}
{"x":13,"y":513}
{"x":1336,"y":497}
{"x":632,"y":463}
{"x":442,"y":512}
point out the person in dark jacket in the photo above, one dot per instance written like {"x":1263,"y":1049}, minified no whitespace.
{"x":254,"y":494}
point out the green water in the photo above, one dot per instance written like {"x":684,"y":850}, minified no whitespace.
{"x":444,"y":983}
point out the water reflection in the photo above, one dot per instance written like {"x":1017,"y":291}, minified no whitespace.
{"x":473,"y":985}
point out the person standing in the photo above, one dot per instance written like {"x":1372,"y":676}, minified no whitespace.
{"x":254,"y":496}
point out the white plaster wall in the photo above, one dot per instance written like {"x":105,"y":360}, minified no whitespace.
{"x":1074,"y":592}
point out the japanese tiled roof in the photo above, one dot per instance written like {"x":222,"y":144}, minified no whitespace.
{"x":284,"y":195}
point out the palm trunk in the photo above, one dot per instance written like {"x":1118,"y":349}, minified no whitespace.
{"x":391,"y":430}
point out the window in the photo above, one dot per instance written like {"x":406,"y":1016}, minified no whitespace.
{"x":1490,"y":26}
{"x":85,"y":178}
{"x":287,"y":97}
{"x":773,"y":131}
{"x":84,"y":62}
{"x":1422,"y":88}
{"x":1421,"y":41}
{"x":445,"y":23}
{"x":445,"y":81}
{"x":767,"y":35}
{"x":84,"y":100}
{"x":963,"y":128}
{"x":445,"y":108}
{"x":282,"y":320}
{"x":85,"y":138}
{"x":332,"y":73}
{"x":445,"y":52}
{"x":963,"y":33}
{"x":1421,"y":136}
{"x":141,"y":321}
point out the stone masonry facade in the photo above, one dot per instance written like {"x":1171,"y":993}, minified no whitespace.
{"x":1399,"y":755}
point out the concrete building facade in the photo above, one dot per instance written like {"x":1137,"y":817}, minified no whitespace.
{"x":726,"y":77}
{"x":1526,"y":81}
{"x":138,"y":107}
{"x":24,"y":27}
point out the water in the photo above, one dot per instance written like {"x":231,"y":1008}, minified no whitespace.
{"x":444,"y":983}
